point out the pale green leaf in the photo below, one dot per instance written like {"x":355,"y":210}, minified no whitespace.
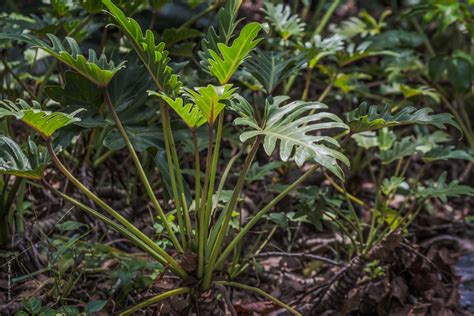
{"x":294,"y":129}
{"x":286,"y":24}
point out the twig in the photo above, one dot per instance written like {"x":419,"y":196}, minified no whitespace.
{"x":226,"y":297}
{"x":302,"y":255}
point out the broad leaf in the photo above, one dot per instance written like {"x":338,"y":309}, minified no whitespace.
{"x":44,"y":122}
{"x":77,"y":91}
{"x":189,"y":112}
{"x":153,"y":55}
{"x":97,"y":69}
{"x":442,"y":190}
{"x":224,"y":63}
{"x":271,"y":68}
{"x":294,"y":129}
{"x":13,"y":160}
{"x":211,"y":100}
{"x":366,"y":118}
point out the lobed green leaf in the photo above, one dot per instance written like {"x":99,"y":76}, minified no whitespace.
{"x":366,"y":118}
{"x":43,"y":122}
{"x":225,"y":63}
{"x":152,"y":54}
{"x":291,"y":127}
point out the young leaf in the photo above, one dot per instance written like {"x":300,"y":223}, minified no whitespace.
{"x":409,"y":92}
{"x":366,"y":118}
{"x":442,"y":190}
{"x":391,"y":185}
{"x":291,"y":126}
{"x":153,"y":55}
{"x":98,"y":70}
{"x":188,"y":112}
{"x":44,"y":122}
{"x":14,"y":162}
{"x":227,"y":22}
{"x":223,"y":65}
{"x":285,"y":24}
{"x":210,"y":100}
{"x":271,"y":68}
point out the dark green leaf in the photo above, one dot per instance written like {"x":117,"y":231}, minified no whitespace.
{"x":366,"y":118}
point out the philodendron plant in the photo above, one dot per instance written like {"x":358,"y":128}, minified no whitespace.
{"x":200,"y":249}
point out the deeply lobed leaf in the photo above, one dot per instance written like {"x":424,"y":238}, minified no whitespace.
{"x":152,"y":54}
{"x":189,"y":112}
{"x":294,"y":130}
{"x":97,"y":69}
{"x":271,"y":68}
{"x":44,"y":122}
{"x":227,"y":22}
{"x":442,"y":190}
{"x":225,"y":63}
{"x":286,"y":24}
{"x":13,"y":160}
{"x":366,"y":118}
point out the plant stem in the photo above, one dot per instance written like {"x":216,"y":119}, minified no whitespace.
{"x":141,"y":172}
{"x":260,"y":292}
{"x":347,"y":194}
{"x":228,"y":213}
{"x":233,"y":274}
{"x":155,"y":299}
{"x":119,"y":228}
{"x":201,"y":14}
{"x":326,"y":18}
{"x":197,"y":173}
{"x":212,"y":180}
{"x":202,"y":215}
{"x":150,"y":243}
{"x":20,"y":82}
{"x":262,"y":212}
{"x":184,"y":206}
{"x":165,"y":120}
